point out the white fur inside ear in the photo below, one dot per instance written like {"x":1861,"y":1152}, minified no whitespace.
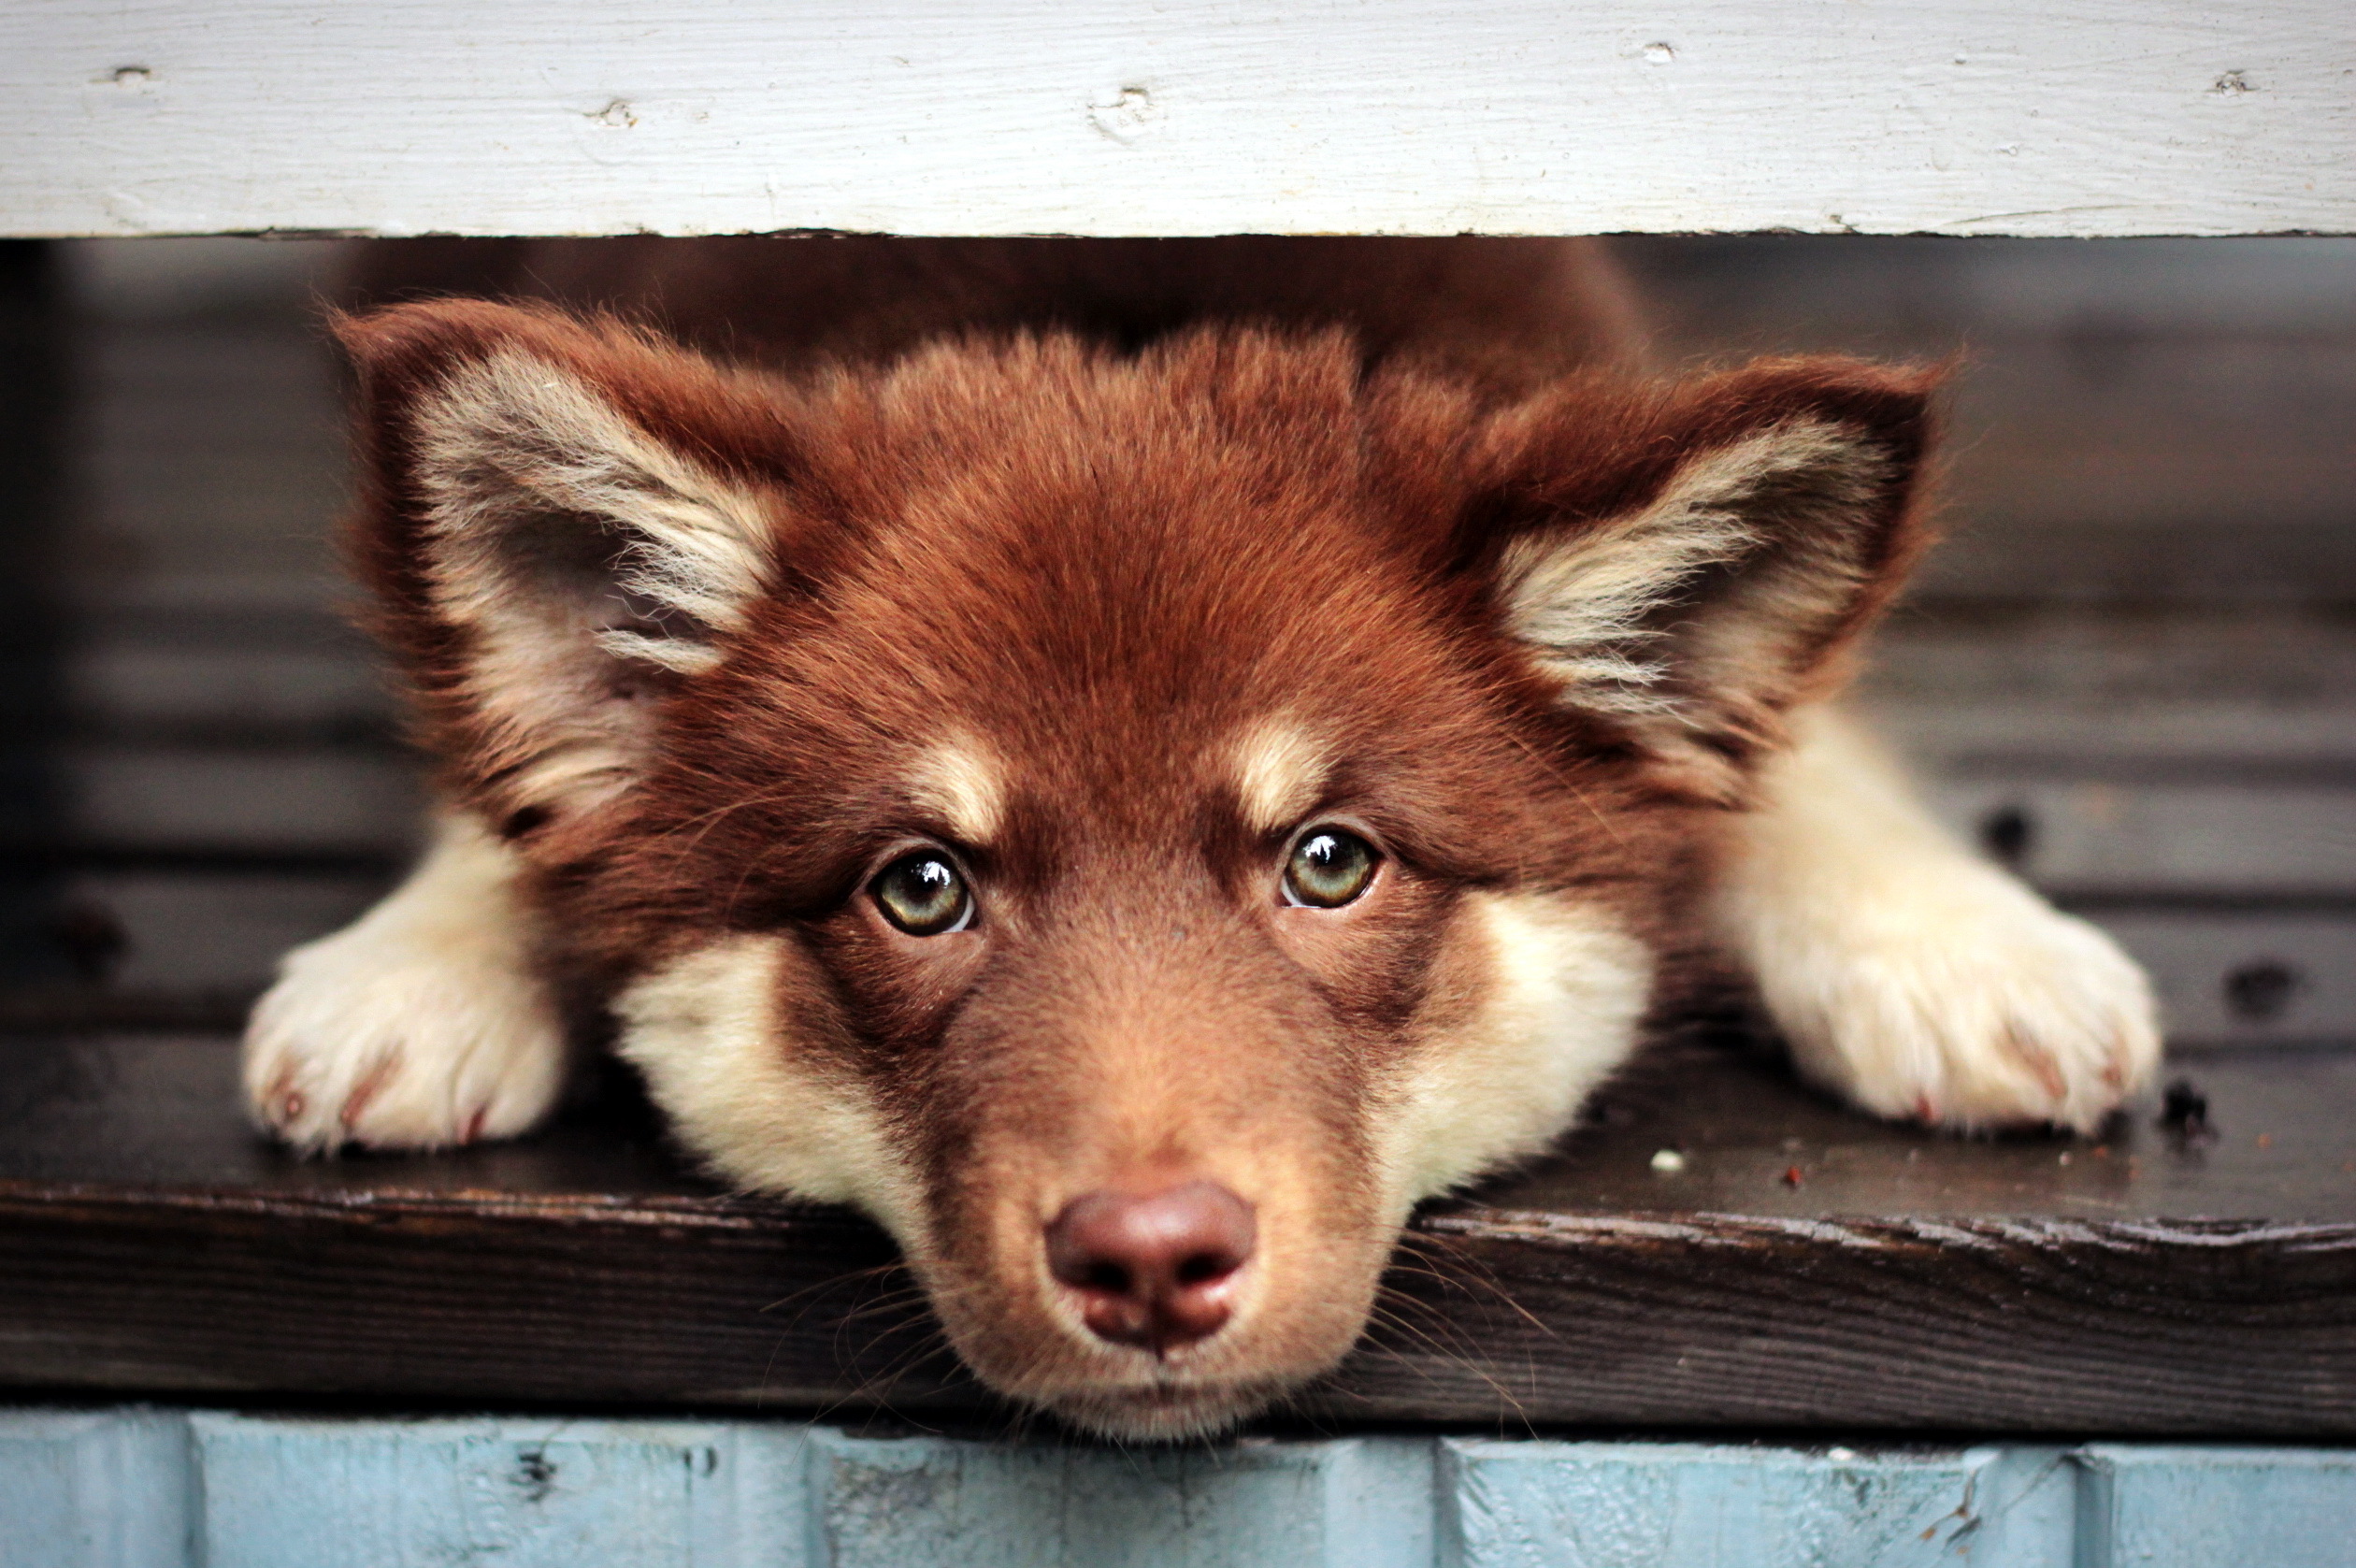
{"x":1619,"y":613}
{"x":576,"y":548}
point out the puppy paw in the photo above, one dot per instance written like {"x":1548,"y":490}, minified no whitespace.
{"x":1967,"y":1004}
{"x":404,"y":1034}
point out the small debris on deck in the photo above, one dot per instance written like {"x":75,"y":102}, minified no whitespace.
{"x":2184,"y":1109}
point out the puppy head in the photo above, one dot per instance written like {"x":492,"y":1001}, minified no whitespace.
{"x":1135,"y":826}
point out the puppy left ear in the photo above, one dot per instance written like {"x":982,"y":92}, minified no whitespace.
{"x":1687,"y":565}
{"x":564,"y":521}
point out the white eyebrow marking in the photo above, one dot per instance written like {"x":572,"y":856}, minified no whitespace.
{"x":961,"y":781}
{"x":1279,"y":771}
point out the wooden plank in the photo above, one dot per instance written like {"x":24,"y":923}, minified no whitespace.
{"x":222,"y":931}
{"x":2187,"y":1507}
{"x":2121,"y":836}
{"x":224,"y":801}
{"x":135,"y":684}
{"x":208,"y":462}
{"x":95,"y":1489}
{"x":1508,"y":1504}
{"x":1121,"y":117}
{"x":929,"y":1502}
{"x":1909,"y":1282}
{"x":291,"y":1494}
{"x":148,"y":1489}
{"x":1962,"y":683}
{"x":2252,"y":977}
{"x":2156,"y":421}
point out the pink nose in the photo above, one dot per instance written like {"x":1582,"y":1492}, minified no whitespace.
{"x":1153,"y":1271}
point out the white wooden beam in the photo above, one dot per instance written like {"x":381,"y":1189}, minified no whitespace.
{"x":1104,"y":117}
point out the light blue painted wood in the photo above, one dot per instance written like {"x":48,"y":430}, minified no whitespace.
{"x":144,"y":1489}
{"x":553,"y":1493}
{"x":918,"y":1502}
{"x":94,"y":1489}
{"x":1520,"y":1504}
{"x":2200,"y":1507}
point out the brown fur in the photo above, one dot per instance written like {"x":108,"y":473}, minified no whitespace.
{"x":1096,"y":530}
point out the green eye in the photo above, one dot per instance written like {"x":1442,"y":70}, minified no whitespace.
{"x":922,"y":895}
{"x":1328,"y":867}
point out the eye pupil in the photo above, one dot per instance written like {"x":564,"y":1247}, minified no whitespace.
{"x":1328,"y":867}
{"x":921,"y":894}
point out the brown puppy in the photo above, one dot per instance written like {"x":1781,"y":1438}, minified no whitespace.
{"x":1135,"y":764}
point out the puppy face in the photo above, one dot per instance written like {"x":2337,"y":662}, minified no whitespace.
{"x":1133,"y":825}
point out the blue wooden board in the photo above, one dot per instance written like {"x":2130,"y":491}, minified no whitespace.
{"x":147,"y":1489}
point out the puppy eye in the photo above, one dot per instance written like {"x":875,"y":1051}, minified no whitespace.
{"x":1328,"y":867}
{"x":922,"y":895}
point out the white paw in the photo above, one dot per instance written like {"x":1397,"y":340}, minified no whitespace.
{"x":1965,"y":1002}
{"x":403,"y":1038}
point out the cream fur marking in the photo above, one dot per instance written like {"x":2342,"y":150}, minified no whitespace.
{"x":1567,"y":989}
{"x":1913,"y":977}
{"x":705,"y":1032}
{"x":422,"y":1023}
{"x":1279,"y":771}
{"x":962,"y":784}
{"x":575,"y":545}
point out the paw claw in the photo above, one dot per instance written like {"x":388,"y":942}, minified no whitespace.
{"x":2038,"y":1060}
{"x":356,"y":1103}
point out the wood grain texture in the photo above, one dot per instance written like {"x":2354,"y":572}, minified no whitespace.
{"x":1122,"y":117}
{"x":148,"y":1244}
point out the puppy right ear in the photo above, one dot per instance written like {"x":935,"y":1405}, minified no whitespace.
{"x":564,"y":521}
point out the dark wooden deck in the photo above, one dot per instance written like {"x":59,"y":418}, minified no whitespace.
{"x":1808,"y":1268}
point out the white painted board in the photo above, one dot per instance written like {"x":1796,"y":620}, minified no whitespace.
{"x":1111,"y":117}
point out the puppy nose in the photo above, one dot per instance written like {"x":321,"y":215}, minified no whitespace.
{"x":1153,"y":1271}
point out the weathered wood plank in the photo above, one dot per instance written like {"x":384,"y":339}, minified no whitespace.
{"x":1509,"y":1504}
{"x":2246,"y":978}
{"x":1908,"y":1282}
{"x":95,"y":1489}
{"x":2184,"y":1507}
{"x":1201,"y":117}
{"x":535,"y":1494}
{"x":226,"y":801}
{"x":1361,"y":1502}
{"x":147,"y":1489}
{"x":2103,"y":835}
